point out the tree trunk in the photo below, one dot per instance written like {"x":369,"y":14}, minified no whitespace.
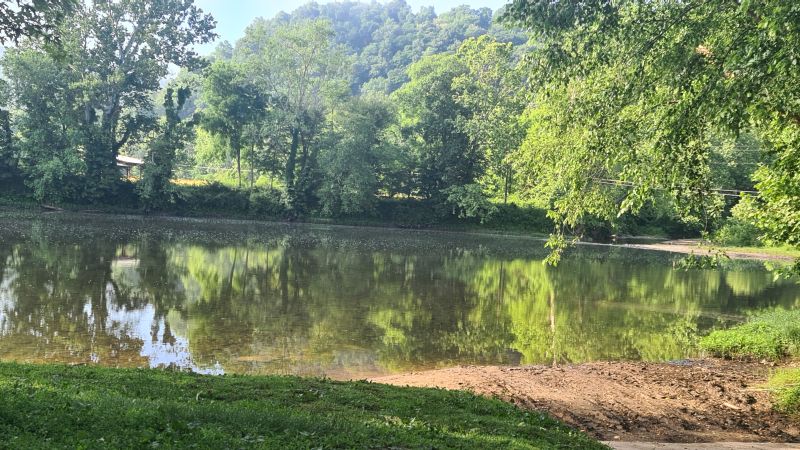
{"x":291,"y":161}
{"x":506,"y":184}
{"x":235,"y":144}
{"x":553,"y":346}
{"x":239,"y":166}
{"x":252,"y":172}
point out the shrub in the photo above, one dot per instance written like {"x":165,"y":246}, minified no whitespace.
{"x":56,"y":180}
{"x":775,"y":334}
{"x":594,"y":229}
{"x":266,"y":202}
{"x":737,"y":232}
{"x":511,"y":216}
{"x":785,"y":384}
{"x":410,"y":213}
{"x":213,"y":197}
{"x":469,"y":201}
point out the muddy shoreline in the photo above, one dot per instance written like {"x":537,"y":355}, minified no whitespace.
{"x":697,"y":247}
{"x":693,"y":401}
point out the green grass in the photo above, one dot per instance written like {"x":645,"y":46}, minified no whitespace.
{"x":785,"y":383}
{"x":773,"y":335}
{"x":88,"y":407}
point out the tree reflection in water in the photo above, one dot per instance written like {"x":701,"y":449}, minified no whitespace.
{"x":344,"y":302}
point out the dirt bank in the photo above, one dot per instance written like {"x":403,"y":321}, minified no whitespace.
{"x":690,"y":401}
{"x":687,"y":246}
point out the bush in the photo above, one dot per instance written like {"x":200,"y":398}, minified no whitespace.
{"x":216,"y":198}
{"x":738,"y":233}
{"x":512,"y":217}
{"x":123,"y":194}
{"x":411,"y":213}
{"x":56,"y":179}
{"x":418,"y":213}
{"x":266,"y":202}
{"x":774,"y":335}
{"x":469,"y":201}
{"x":213,"y":197}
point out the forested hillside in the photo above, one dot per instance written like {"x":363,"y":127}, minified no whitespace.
{"x":385,"y":39}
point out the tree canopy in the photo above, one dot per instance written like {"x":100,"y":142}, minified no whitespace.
{"x":33,"y":19}
{"x":636,"y":89}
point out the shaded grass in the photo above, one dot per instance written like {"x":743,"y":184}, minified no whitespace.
{"x":773,"y":335}
{"x":88,"y":407}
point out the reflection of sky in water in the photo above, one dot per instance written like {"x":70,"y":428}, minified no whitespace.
{"x":142,"y":324}
{"x":6,"y":299}
{"x":160,"y":349}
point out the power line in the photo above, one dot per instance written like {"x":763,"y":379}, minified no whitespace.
{"x":719,"y":191}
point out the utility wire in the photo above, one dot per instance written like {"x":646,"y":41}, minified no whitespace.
{"x":719,"y":191}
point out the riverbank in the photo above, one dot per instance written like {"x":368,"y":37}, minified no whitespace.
{"x":388,"y":213}
{"x":91,"y":407}
{"x":680,"y":246}
{"x":702,"y":248}
{"x":709,"y":400}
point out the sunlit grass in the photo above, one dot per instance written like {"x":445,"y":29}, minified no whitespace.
{"x":189,"y":182}
{"x":82,"y":407}
{"x":774,"y":334}
{"x":785,"y":384}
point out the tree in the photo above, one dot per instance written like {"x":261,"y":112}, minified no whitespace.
{"x":299,"y":67}
{"x":492,"y":91}
{"x":45,"y":120}
{"x":385,"y":38}
{"x":643,"y":85}
{"x":445,"y":156}
{"x":9,"y":172}
{"x":122,"y":49}
{"x":155,"y":187}
{"x":355,"y":155}
{"x":233,"y":104}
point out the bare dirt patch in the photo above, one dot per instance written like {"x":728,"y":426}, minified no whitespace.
{"x":687,"y":246}
{"x":689,"y":401}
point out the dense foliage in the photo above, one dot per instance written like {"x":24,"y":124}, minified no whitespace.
{"x":632,"y":93}
{"x":384,"y":39}
{"x":627,"y":117}
{"x":32,"y":18}
{"x":78,"y":110}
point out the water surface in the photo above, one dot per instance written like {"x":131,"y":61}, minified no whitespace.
{"x":345,"y":302}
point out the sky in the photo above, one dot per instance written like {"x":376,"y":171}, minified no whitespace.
{"x":233,"y":16}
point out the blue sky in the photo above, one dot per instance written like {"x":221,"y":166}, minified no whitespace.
{"x":234,"y":15}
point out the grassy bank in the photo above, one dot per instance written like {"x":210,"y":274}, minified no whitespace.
{"x":220,"y":201}
{"x":771,"y":335}
{"x":82,"y":407}
{"x":785,"y":385}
